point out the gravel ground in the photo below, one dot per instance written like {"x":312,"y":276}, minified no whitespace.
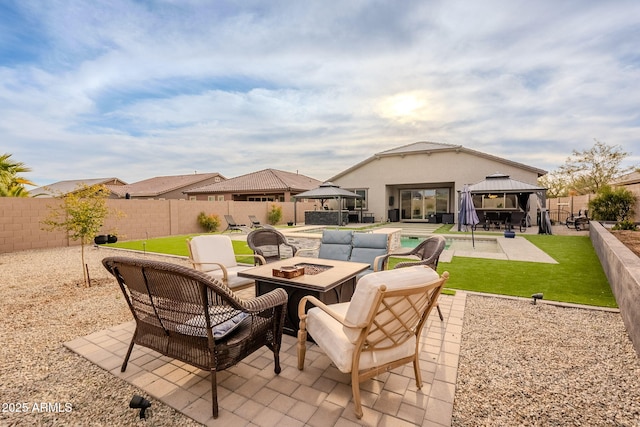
{"x":541,"y":365}
{"x":520,"y":364}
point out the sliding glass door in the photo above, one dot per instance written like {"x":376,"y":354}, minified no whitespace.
{"x":421,"y":204}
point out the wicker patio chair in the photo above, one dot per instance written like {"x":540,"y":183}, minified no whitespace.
{"x":378,"y":330}
{"x":428,"y":253}
{"x":268,"y":243}
{"x":184,"y":314}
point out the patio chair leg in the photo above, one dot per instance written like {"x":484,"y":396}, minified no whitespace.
{"x":126,"y":358}
{"x":214,"y":394}
{"x":302,"y":348}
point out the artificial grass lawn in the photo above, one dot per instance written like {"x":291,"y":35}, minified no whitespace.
{"x":577,"y":278}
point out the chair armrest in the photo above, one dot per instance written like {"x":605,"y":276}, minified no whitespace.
{"x":322,"y":306}
{"x":294,"y":249}
{"x":225,"y":274}
{"x":380,"y":262}
{"x":269,"y":300}
{"x":403,"y":264}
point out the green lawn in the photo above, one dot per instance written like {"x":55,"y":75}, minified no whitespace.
{"x":577,"y":278}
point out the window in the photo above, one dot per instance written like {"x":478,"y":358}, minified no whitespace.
{"x":221,"y":198}
{"x":355,"y":204}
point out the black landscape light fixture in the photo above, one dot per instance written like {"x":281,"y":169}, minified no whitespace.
{"x":536,"y":297}
{"x":139,"y":402}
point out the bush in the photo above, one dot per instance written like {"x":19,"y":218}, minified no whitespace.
{"x":275,"y":214}
{"x":209,"y":222}
{"x":612,"y":205}
{"x":625,"y":225}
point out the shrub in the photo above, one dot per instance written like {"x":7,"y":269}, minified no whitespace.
{"x":625,"y":225}
{"x":275,"y":214}
{"x":209,"y":222}
{"x":612,"y":205}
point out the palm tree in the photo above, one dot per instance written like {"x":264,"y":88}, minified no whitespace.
{"x":12,"y":185}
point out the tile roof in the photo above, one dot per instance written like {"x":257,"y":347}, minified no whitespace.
{"x":159,"y":185}
{"x":264,"y":180}
{"x":64,"y":187}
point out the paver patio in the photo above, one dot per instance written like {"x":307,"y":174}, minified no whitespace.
{"x":251,"y":394}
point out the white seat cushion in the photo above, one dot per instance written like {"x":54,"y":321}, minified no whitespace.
{"x":212,"y":248}
{"x":232,"y":275}
{"x":329,"y":335}
{"x":367,"y":288}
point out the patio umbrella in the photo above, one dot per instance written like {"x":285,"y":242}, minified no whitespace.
{"x":468,"y":215}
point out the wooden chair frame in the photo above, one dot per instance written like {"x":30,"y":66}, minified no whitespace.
{"x":376,"y":335}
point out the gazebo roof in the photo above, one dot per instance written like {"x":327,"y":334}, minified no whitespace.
{"x":501,"y":183}
{"x":327,"y":190}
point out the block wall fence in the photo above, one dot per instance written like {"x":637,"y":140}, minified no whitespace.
{"x":21,"y":219}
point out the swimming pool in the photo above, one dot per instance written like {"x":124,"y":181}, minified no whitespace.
{"x":458,"y":243}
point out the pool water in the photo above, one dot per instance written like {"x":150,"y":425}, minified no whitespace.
{"x":458,"y":243}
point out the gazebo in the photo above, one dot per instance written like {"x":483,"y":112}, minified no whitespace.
{"x":500,"y":193}
{"x":324,"y":192}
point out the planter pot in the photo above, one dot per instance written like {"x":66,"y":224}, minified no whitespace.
{"x":111,"y":238}
{"x":101,"y":239}
{"x":290,"y":223}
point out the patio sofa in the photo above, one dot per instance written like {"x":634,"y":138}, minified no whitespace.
{"x":347,"y":245}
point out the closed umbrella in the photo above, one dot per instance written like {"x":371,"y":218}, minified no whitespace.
{"x":468,"y":215}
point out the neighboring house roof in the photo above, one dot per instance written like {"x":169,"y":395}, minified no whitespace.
{"x":501,"y":183}
{"x":423,"y":147}
{"x":272,"y":180}
{"x":628,"y":179}
{"x":64,"y":187}
{"x":157,"y":186}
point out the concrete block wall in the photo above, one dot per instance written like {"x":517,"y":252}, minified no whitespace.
{"x":21,"y":219}
{"x":622,"y":268}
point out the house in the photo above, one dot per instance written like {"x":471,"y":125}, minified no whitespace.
{"x":422,"y":181}
{"x":265,"y":185}
{"x":164,"y":187}
{"x":63,"y":187}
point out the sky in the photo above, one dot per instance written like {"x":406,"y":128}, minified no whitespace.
{"x":137,"y":89}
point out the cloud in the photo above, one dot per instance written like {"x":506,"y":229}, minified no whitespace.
{"x":127,"y":89}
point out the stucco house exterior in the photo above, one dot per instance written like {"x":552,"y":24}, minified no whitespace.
{"x":420,"y":182}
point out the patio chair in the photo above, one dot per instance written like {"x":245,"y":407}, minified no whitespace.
{"x":214,"y":255}
{"x":378,"y":330}
{"x":232,"y":225}
{"x":428,"y":253}
{"x":268,"y":243}
{"x":191,"y":317}
{"x":255,"y":222}
{"x":517,"y":219}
